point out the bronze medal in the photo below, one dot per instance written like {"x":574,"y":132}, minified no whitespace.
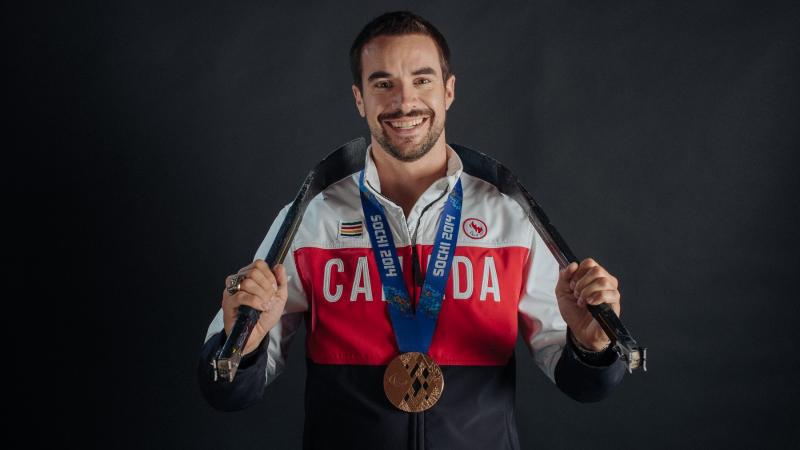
{"x":413,"y":382}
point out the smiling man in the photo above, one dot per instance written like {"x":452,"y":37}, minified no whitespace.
{"x":415,"y":68}
{"x":414,"y":279}
{"x":404,"y":98}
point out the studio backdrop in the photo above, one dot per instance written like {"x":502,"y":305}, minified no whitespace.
{"x":660,"y":137}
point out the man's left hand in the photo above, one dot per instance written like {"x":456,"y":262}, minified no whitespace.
{"x":582,"y":284}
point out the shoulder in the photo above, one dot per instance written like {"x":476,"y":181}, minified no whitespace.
{"x":505,"y":221}
{"x":326,"y":211}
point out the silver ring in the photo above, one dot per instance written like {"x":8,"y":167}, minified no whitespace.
{"x":235,"y":283}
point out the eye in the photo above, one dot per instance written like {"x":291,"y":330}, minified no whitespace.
{"x":382,"y":84}
{"x":424,"y":81}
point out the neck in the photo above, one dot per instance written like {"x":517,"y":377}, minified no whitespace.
{"x":404,"y":182}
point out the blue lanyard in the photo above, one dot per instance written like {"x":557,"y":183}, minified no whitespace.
{"x":413,"y":331}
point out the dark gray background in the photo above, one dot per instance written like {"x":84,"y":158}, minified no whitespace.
{"x":660,"y":137}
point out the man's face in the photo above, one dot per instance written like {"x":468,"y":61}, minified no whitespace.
{"x":402,"y":84}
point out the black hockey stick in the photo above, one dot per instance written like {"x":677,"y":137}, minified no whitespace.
{"x":339,"y":164}
{"x":491,"y":171}
{"x":349,"y":159}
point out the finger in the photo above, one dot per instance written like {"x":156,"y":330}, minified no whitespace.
{"x":600,"y":285}
{"x":283,"y":284}
{"x":599,"y":297}
{"x":243,"y":271}
{"x":611,"y":298}
{"x":594,"y":275}
{"x":254,"y":302}
{"x":248,"y":283}
{"x":250,"y":286}
{"x":227,"y":283}
{"x":263,"y":268}
{"x":247,"y":267}
{"x":565,"y":276}
{"x":259,"y":277}
{"x":583,"y":267}
{"x":225,"y":293}
{"x":567,"y":271}
{"x":248,"y":299}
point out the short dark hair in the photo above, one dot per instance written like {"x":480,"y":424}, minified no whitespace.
{"x":397,"y":23}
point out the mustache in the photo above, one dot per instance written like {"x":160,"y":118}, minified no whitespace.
{"x":399,"y":115}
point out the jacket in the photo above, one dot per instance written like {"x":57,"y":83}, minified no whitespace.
{"x":501,"y":285}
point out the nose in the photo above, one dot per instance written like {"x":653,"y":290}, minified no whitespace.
{"x":405,"y":98}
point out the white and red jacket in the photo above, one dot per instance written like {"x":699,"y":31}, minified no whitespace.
{"x":501,"y":283}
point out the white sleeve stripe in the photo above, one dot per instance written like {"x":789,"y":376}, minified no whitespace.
{"x":539,"y":305}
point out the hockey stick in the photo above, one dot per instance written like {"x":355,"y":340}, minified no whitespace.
{"x":349,"y":159}
{"x":339,"y":164}
{"x":490,"y":170}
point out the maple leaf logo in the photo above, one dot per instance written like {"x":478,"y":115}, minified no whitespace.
{"x":478,"y":229}
{"x":474,"y":228}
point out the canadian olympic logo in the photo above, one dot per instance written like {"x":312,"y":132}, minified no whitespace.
{"x":474,"y":228}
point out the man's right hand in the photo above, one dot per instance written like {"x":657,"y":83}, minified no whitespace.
{"x":262,"y":289}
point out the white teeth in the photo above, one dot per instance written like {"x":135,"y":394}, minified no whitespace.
{"x":406,"y":125}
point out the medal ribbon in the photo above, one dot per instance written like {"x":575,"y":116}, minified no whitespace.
{"x":413,"y":331}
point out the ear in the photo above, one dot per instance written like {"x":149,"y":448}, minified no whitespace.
{"x":359,"y":100}
{"x":449,"y":91}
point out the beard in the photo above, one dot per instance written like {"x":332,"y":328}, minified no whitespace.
{"x":407,"y":151}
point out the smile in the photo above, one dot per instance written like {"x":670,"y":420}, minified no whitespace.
{"x":406,"y":126}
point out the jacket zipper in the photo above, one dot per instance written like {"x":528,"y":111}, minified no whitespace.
{"x":419,"y":281}
{"x":415,"y":265}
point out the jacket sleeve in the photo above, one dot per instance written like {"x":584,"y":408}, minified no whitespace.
{"x":260,"y":367}
{"x":545,"y":334}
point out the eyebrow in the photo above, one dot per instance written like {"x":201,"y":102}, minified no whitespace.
{"x":383,"y":74}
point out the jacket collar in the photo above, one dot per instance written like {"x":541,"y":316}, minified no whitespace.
{"x":434,"y":196}
{"x":454,"y":169}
